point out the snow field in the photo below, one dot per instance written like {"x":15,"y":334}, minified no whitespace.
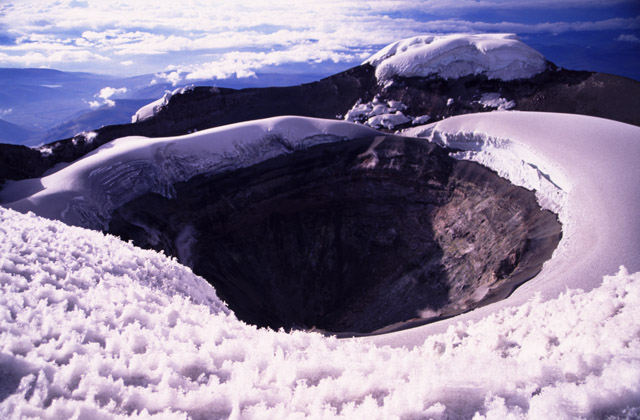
{"x":94,"y":328}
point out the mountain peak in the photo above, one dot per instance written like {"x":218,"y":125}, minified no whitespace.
{"x":498,"y":56}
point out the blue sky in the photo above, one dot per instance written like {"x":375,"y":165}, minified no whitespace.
{"x":228,"y":38}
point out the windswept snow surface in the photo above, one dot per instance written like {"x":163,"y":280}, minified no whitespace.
{"x":498,"y":56}
{"x":85,"y":192}
{"x":94,"y":328}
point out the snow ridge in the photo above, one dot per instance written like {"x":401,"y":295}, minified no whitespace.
{"x":498,"y":56}
{"x":86,"y":192}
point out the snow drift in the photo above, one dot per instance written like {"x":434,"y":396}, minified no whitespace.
{"x":498,"y":56}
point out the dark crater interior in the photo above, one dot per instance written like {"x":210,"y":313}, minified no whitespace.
{"x":361,"y":236}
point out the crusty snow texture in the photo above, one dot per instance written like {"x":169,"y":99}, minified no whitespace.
{"x":94,"y":328}
{"x":498,"y":56}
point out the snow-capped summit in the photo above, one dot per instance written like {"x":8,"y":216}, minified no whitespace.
{"x":498,"y":56}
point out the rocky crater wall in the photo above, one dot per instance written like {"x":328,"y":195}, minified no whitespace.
{"x":361,"y":236}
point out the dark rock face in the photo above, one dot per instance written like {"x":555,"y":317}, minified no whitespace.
{"x":20,"y":162}
{"x":354,"y":236}
{"x":555,"y":90}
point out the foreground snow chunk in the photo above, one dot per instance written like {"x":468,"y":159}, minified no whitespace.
{"x":498,"y":56}
{"x":92,"y":327}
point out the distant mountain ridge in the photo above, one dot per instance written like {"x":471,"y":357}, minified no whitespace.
{"x":359,"y":95}
{"x":10,"y":131}
{"x":45,"y":103}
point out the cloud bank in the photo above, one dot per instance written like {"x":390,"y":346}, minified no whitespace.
{"x":222,"y":39}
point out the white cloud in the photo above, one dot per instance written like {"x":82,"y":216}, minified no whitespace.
{"x":48,"y":58}
{"x":245,"y":64}
{"x":559,"y":27}
{"x":520,"y":4}
{"x":106,"y":94}
{"x":628,"y":38}
{"x":207,"y":38}
{"x":172,"y":77}
{"x":333,"y":48}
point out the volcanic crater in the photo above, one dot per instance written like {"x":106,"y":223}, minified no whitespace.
{"x":354,"y":237}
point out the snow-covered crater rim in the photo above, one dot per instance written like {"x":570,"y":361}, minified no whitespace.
{"x":519,"y":164}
